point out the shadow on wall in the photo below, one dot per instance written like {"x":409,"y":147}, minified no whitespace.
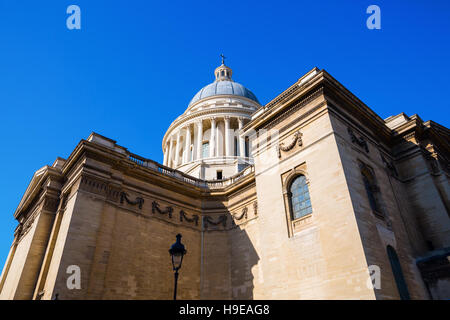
{"x":121,"y":249}
{"x":229,"y":255}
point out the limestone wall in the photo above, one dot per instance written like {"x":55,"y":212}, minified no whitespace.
{"x":376,"y":232}
{"x":322,"y":257}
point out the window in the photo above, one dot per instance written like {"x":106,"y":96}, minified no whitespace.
{"x":299,"y":198}
{"x":219,"y":175}
{"x":247,"y":144}
{"x":235,"y":146}
{"x":372,"y":190}
{"x":205,"y":150}
{"x":398,"y":273}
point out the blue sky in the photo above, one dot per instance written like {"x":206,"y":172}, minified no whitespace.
{"x":134,"y":66}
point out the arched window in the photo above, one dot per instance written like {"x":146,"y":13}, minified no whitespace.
{"x":372,"y":190}
{"x":398,"y":273}
{"x":299,"y":198}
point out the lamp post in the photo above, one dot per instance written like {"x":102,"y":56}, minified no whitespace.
{"x":177,"y":251}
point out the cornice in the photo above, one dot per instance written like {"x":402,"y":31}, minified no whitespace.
{"x":293,"y":108}
{"x":35,"y":188}
{"x":222,"y":96}
{"x":321,"y":83}
{"x":121,"y":163}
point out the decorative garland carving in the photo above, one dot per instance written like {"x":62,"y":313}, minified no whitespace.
{"x":359,"y":141}
{"x":207,"y":220}
{"x":297,"y":138}
{"x":184,"y":216}
{"x":124,"y":196}
{"x":155,"y":208}
{"x":255,"y":208}
{"x":242,"y":216}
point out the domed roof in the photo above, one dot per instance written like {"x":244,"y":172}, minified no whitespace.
{"x":223,"y":86}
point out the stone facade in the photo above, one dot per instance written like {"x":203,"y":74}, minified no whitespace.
{"x":379,"y":194}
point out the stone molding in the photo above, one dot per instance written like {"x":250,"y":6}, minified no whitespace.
{"x":288,"y":110}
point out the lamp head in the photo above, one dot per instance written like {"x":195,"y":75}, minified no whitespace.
{"x":177,"y":251}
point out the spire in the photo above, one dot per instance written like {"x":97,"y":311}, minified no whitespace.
{"x":223,"y":73}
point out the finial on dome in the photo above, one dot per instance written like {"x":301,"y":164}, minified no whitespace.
{"x":223,"y":73}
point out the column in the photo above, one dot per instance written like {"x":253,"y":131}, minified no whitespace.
{"x":177,"y":149}
{"x":199,"y":139}
{"x":166,"y":150}
{"x":227,"y":136}
{"x":212,"y":142}
{"x":241,"y":139}
{"x":169,"y":159}
{"x":187,"y":145}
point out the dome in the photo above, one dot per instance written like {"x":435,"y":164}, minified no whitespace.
{"x":223,"y":86}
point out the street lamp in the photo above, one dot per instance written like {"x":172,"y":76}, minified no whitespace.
{"x":177,"y":251}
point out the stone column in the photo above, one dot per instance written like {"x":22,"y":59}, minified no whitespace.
{"x":241,"y":138}
{"x":199,"y":139}
{"x":212,"y":142}
{"x":169,"y":159}
{"x":165,"y":155}
{"x":177,"y":149}
{"x":227,"y":136}
{"x":187,"y":145}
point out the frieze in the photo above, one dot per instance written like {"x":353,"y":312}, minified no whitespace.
{"x":358,"y":141}
{"x":93,"y":185}
{"x":156,"y":208}
{"x":138,"y":201}
{"x":113,"y":194}
{"x":207,"y":220}
{"x":194,"y":218}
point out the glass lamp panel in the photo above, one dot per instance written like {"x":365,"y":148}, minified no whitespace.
{"x":176,"y":260}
